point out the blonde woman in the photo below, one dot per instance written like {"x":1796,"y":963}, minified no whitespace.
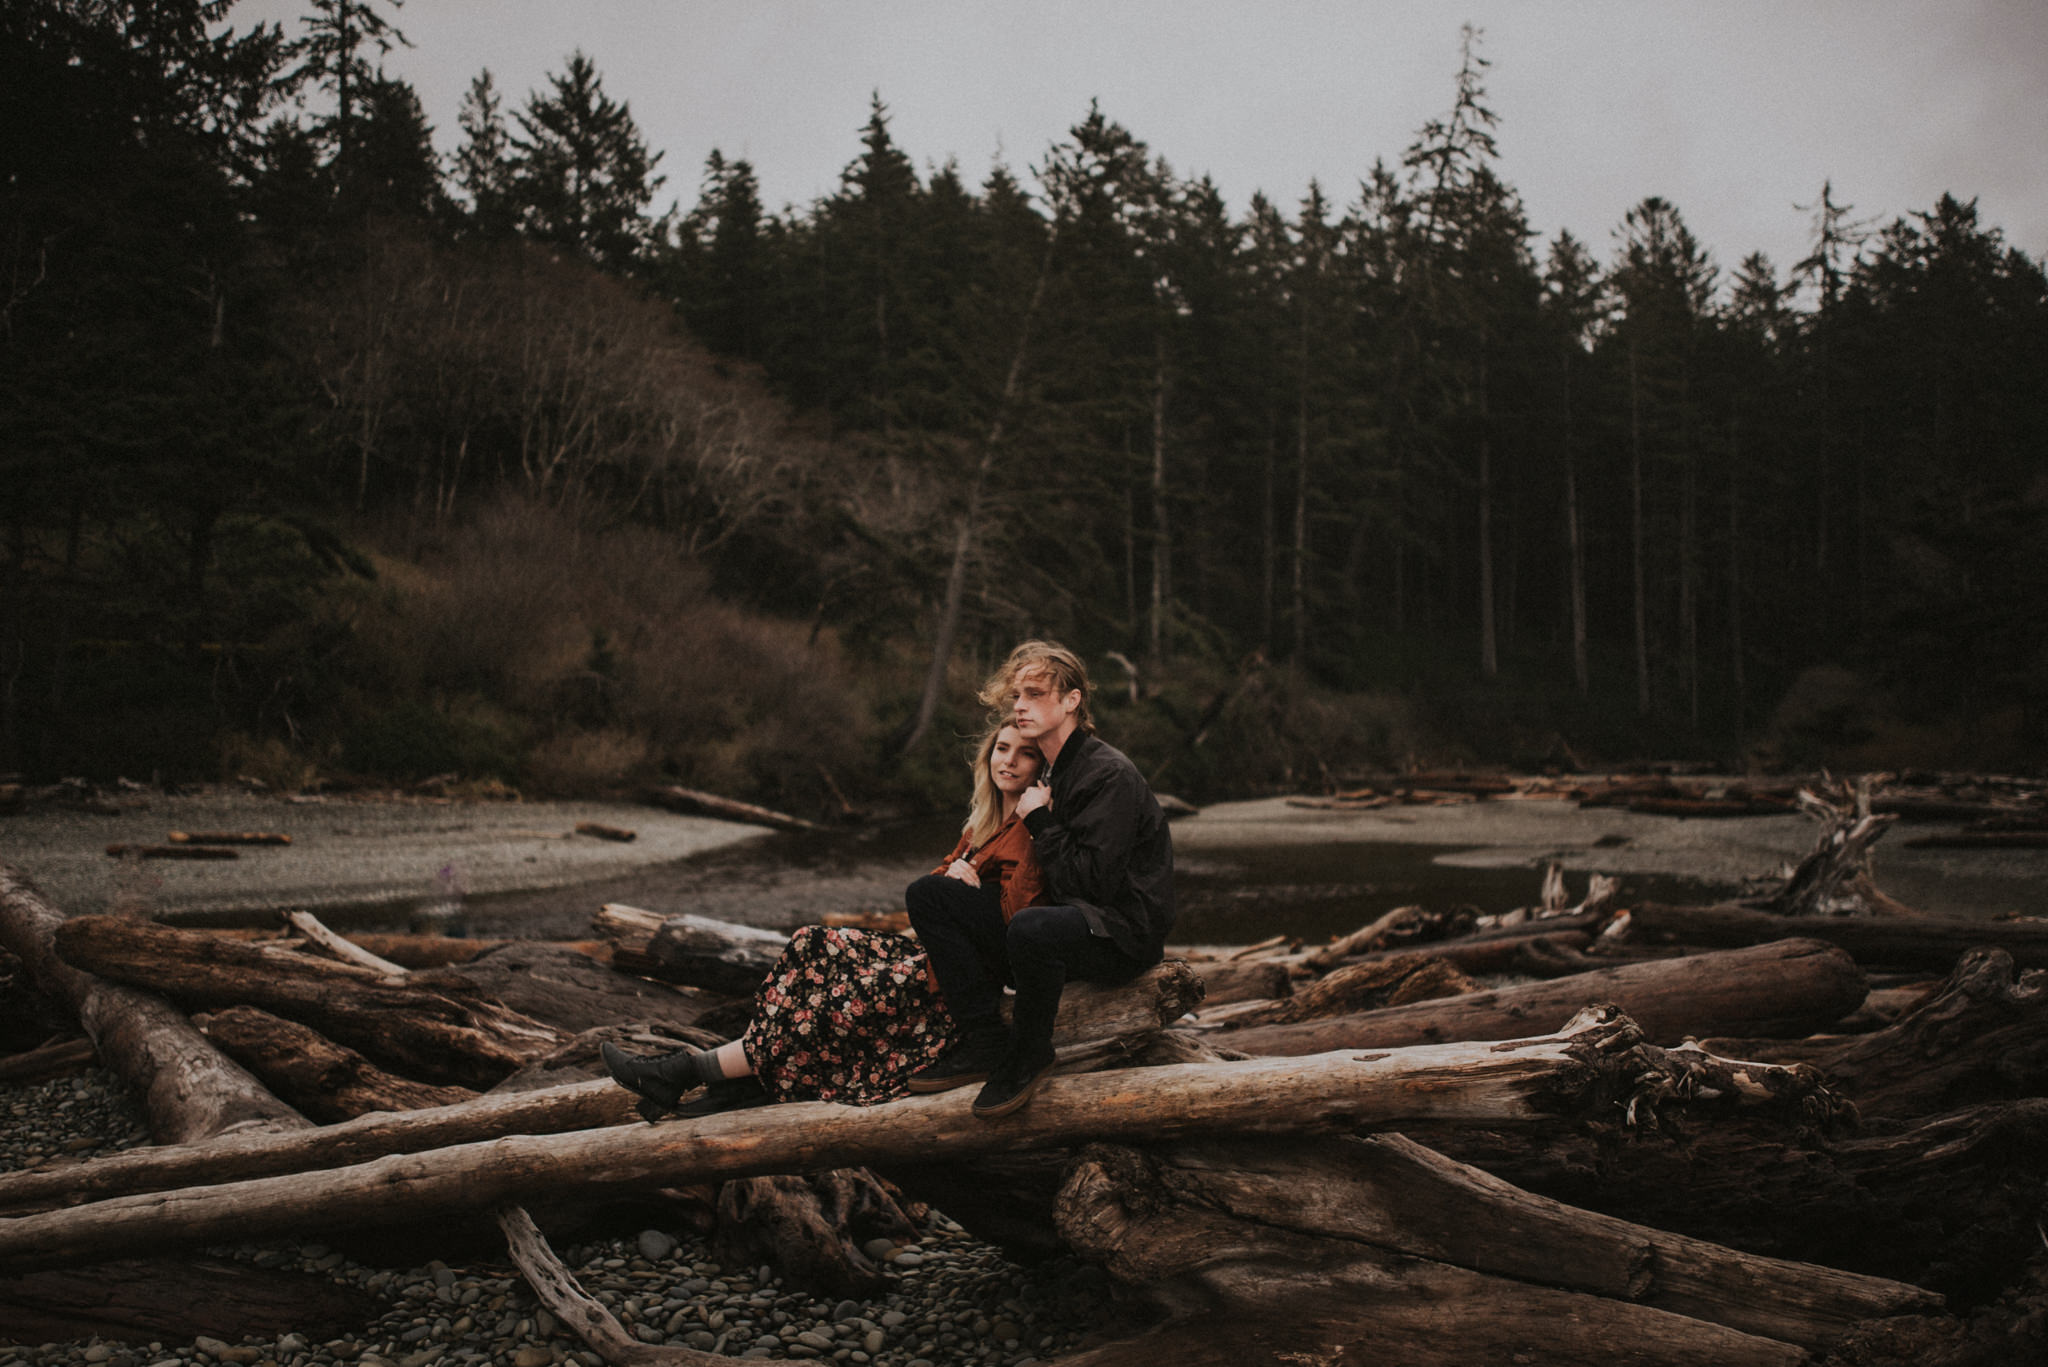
{"x":848,"y":1015}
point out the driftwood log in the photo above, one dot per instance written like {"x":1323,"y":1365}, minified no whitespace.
{"x":1900,"y":942}
{"x":697,"y":951}
{"x":1949,"y":1203}
{"x":1982,"y":1037}
{"x":586,"y":1315}
{"x":188,"y":1090}
{"x":139,"y":1300}
{"x":696,"y":802}
{"x":1598,"y":1066}
{"x":1382,"y":1250}
{"x":304,"y":1068}
{"x":566,"y":988}
{"x":579,"y":1106}
{"x":437,"y":1029}
{"x":1786,"y":988}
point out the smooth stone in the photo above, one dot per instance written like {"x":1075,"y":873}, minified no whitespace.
{"x":905,"y":1258}
{"x":812,"y":1338}
{"x":533,"y":1355}
{"x":873,"y":1340}
{"x":878,"y":1249}
{"x":845,"y":1310}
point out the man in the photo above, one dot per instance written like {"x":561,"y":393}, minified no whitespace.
{"x":1102,"y":842}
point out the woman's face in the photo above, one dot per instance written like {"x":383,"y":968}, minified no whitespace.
{"x":1013,"y":762}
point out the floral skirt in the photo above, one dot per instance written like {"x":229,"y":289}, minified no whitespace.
{"x":846,"y":1015}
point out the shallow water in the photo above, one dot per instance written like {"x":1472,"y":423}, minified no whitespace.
{"x":1241,"y":896}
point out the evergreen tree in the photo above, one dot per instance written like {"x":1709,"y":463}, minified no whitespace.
{"x":483,"y":168}
{"x":335,"y":54}
{"x":584,"y":174}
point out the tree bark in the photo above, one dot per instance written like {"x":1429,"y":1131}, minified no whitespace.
{"x":434,"y":1027}
{"x":1789,"y":987}
{"x":1598,"y":1067}
{"x":188,"y":1090}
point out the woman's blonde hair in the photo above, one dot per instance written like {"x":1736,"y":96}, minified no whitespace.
{"x":985,"y":810}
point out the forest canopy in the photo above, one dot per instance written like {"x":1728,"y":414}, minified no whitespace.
{"x":323,"y":455}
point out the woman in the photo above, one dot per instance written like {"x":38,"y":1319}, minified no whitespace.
{"x":848,"y":1015}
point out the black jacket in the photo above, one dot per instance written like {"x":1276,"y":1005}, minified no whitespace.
{"x":1104,"y":847}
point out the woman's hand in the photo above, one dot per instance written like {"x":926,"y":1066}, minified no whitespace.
{"x":963,"y":871}
{"x":1037,"y":795}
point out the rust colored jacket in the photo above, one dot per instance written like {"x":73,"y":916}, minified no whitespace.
{"x":1009,"y":860}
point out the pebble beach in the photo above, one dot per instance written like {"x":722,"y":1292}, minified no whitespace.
{"x":950,"y":1300}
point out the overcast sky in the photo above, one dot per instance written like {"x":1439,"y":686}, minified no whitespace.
{"x":1735,"y":110}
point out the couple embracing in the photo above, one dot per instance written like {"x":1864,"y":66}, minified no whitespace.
{"x":1063,"y":872}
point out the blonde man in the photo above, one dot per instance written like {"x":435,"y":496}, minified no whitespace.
{"x":1107,"y":858}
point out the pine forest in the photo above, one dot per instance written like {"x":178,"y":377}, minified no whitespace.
{"x":327,"y":458}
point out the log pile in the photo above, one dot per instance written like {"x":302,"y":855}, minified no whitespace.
{"x":1683,"y":1135}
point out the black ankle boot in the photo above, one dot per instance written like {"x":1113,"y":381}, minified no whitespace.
{"x":662,"y":1081}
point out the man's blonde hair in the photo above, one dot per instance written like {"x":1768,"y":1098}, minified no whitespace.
{"x":1062,"y":667}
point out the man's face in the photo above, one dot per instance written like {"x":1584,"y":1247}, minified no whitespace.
{"x":1038,"y":709}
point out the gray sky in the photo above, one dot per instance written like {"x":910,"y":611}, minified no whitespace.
{"x":1734,"y":110}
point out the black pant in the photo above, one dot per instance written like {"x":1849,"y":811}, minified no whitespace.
{"x":975,"y":956}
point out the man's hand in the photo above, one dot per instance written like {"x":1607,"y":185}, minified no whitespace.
{"x":1037,"y":795}
{"x":964,"y":871}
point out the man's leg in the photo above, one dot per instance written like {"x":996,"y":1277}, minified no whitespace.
{"x":1047,"y":946}
{"x":961,"y":928}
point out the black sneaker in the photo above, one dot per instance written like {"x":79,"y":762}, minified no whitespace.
{"x":1009,"y":1087}
{"x":968,"y":1059}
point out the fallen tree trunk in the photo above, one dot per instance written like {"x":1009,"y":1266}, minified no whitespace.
{"x":697,"y":803}
{"x":432,"y":1027}
{"x":1394,"y":981}
{"x":1237,"y":1291}
{"x":580,"y":1106}
{"x":1597,"y":1067}
{"x":565,"y":988}
{"x":1983,"y":1036}
{"x":304,"y":1068}
{"x":1787,"y":988}
{"x":135,"y":1301}
{"x":1949,"y":1203}
{"x":697,"y":951}
{"x":51,"y":1060}
{"x":188,"y":1090}
{"x":1387,"y":1207}
{"x":1096,"y":1025}
{"x":1902,"y":942}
